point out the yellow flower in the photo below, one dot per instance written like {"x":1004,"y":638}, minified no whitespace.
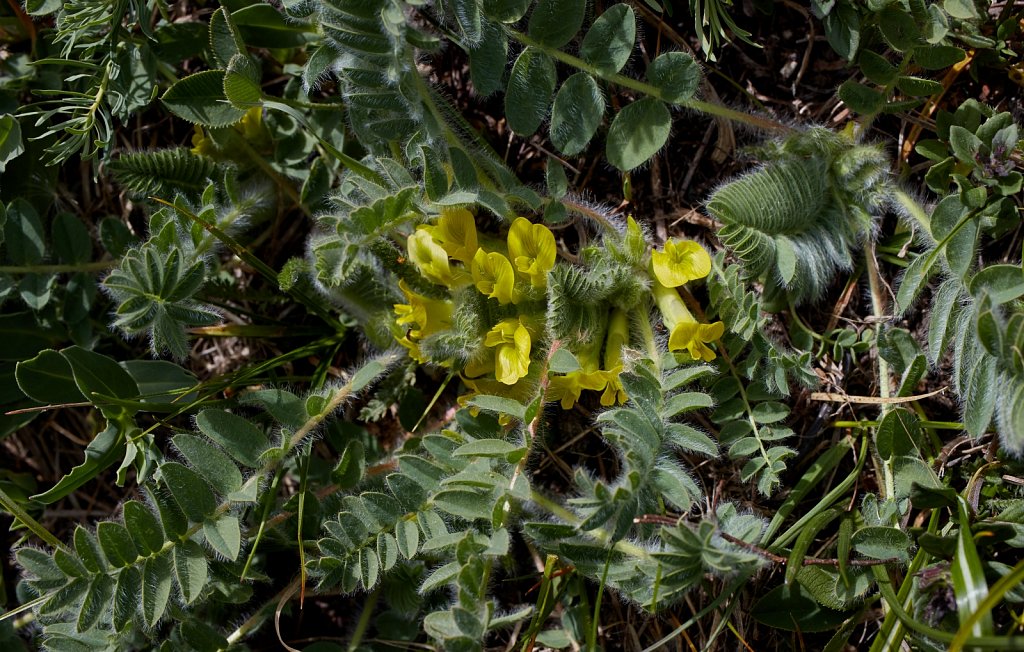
{"x":421,"y":317}
{"x":567,"y":389}
{"x":618,"y":337}
{"x":494,"y":276}
{"x":512,"y":357}
{"x":681,"y":262}
{"x":455,"y":231}
{"x":686,"y":333}
{"x":532,"y":249}
{"x":430,"y":258}
{"x":201,"y":144}
{"x":252,"y":123}
{"x":428,"y":315}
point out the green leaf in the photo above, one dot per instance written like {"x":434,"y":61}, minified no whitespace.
{"x":610,"y":40}
{"x":156,"y":588}
{"x":96,"y":602}
{"x":842,"y":29}
{"x":115,"y":236}
{"x":467,"y":15}
{"x":979,"y":395}
{"x":225,"y":41}
{"x":440,"y":577}
{"x":224,"y":535}
{"x":965,"y":145}
{"x":88,"y":550}
{"x":200,"y":99}
{"x":318,"y":67}
{"x":171,"y":517}
{"x":201,"y":637}
{"x":486,"y":448}
{"x":42,"y":7}
{"x":962,"y":9}
{"x":368,"y":373}
{"x":899,"y":28}
{"x":24,"y":238}
{"x":676,"y":75}
{"x":36,"y":289}
{"x":554,"y":23}
{"x":1000,"y":283}
{"x":785,"y":259}
{"x":937,"y":57}
{"x":828,"y":589}
{"x":144,"y":527}
{"x":286,"y":408}
{"x":769,"y":412}
{"x":791,"y":607}
{"x":469,"y":505}
{"x":505,"y":11}
{"x":242,"y":83}
{"x":969,"y":584}
{"x":98,"y":374}
{"x":116,"y":543}
{"x":10,"y":140}
{"x":861,"y":99}
{"x":945,"y":300}
{"x":914,"y":280}
{"x":637,"y":133}
{"x":488,"y":59}
{"x":576,"y":114}
{"x":190,"y":570}
{"x":877,"y":68}
{"x":47,"y":378}
{"x":880,"y":542}
{"x":263,"y":26}
{"x":349,"y":470}
{"x":71,"y":239}
{"x":160,"y":381}
{"x":897,"y":434}
{"x":917,"y":86}
{"x":960,"y":250}
{"x":686,"y":402}
{"x":563,"y":362}
{"x":500,"y":405}
{"x":126,"y":598}
{"x":190,"y":491}
{"x":529,"y":91}
{"x":407,"y":534}
{"x":240,"y":438}
{"x":211,"y":463}
{"x":108,"y":447}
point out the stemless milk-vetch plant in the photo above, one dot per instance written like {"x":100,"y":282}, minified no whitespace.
{"x":452,"y":325}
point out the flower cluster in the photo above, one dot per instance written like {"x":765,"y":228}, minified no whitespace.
{"x":592,"y":374}
{"x":679,"y":263}
{"x":510,"y":273}
{"x":504,"y":286}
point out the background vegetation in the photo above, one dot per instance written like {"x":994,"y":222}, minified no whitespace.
{"x":511,"y":324}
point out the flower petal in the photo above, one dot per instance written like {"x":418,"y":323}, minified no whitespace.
{"x":681,"y":261}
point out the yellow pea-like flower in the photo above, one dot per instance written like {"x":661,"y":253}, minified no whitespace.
{"x":682,"y":261}
{"x":567,"y":388}
{"x":532,"y":250}
{"x":685,"y":332}
{"x":455,"y":231}
{"x":421,"y":317}
{"x":512,"y":341}
{"x":494,"y":276}
{"x":428,"y":315}
{"x":430,"y":258}
{"x":618,"y":337}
